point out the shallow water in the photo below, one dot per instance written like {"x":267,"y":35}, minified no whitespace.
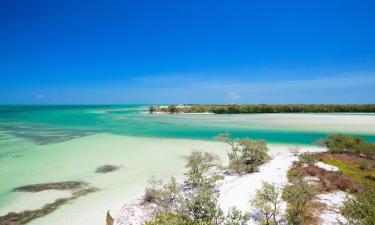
{"x":59,"y":143}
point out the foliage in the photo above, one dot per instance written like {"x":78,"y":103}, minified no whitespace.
{"x":172,"y":109}
{"x":267,"y":202}
{"x":235,"y":217}
{"x":198,"y":203}
{"x":247,"y":155}
{"x":360,"y":210}
{"x":369,"y":150}
{"x":201,"y":169}
{"x":298,"y":195}
{"x":169,"y":218}
{"x":281,"y":108}
{"x":354,"y":171}
{"x":165,"y":196}
{"x":307,"y":157}
{"x":201,"y":206}
{"x":339,"y":143}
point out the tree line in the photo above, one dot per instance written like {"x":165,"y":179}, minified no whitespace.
{"x":267,"y":108}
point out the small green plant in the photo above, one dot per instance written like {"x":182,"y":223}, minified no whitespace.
{"x":165,"y":196}
{"x":236,"y":217}
{"x":339,"y":143}
{"x":298,"y":196}
{"x":245,"y":155}
{"x":360,"y":210}
{"x":364,"y":165}
{"x":172,"y":109}
{"x":202,"y":169}
{"x":267,"y":203}
{"x":307,"y":157}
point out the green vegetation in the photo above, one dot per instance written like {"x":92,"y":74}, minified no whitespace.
{"x":202,"y":169}
{"x":298,"y":195}
{"x":267,"y":202}
{"x":152,"y":109}
{"x":339,"y":143}
{"x":353,"y":171}
{"x":245,"y":155}
{"x":307,"y":157}
{"x":165,"y":196}
{"x":360,"y":210}
{"x":199,"y":204}
{"x":264,"y":108}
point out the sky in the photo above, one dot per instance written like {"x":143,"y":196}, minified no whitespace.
{"x":150,"y":52}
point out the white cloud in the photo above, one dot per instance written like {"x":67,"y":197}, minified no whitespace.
{"x":40,"y":96}
{"x":233,"y":96}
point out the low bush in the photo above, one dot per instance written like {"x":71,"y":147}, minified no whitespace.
{"x":339,"y":143}
{"x":307,"y":157}
{"x":245,"y":155}
{"x":330,"y":180}
{"x":360,"y":210}
{"x":267,"y":202}
{"x":298,"y":196}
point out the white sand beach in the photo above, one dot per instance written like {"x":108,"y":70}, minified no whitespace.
{"x":234,"y":191}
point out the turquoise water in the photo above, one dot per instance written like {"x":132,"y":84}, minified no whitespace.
{"x":59,"y":143}
{"x":48,"y":124}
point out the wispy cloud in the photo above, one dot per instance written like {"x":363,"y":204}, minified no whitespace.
{"x":233,"y":96}
{"x":40,"y":96}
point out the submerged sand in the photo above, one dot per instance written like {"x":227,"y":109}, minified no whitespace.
{"x":77,"y":159}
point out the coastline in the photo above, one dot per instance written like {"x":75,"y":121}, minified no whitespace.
{"x":233,"y":190}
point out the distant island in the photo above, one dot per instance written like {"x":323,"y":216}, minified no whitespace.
{"x":264,"y":108}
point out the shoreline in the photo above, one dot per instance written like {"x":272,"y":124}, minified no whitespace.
{"x":234,"y":190}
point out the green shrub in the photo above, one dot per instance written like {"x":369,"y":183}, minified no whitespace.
{"x":339,"y":143}
{"x":172,"y":109}
{"x":235,"y":217}
{"x":360,"y":210}
{"x":267,"y":203}
{"x":369,"y":150}
{"x":307,"y":157}
{"x":246,"y":155}
{"x":165,"y":196}
{"x":152,"y":109}
{"x":298,"y":196}
{"x":202,"y":169}
{"x":364,"y":165}
{"x":198,"y":204}
{"x":168,"y":218}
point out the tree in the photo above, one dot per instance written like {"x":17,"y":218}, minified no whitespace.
{"x":197,"y":202}
{"x":165,"y":196}
{"x":172,"y":109}
{"x":151,"y":109}
{"x":253,"y":154}
{"x":236,"y":217}
{"x":201,"y":169}
{"x":298,"y":195}
{"x":361,"y":209}
{"x":339,"y":143}
{"x":245,"y":155}
{"x":267,"y":202}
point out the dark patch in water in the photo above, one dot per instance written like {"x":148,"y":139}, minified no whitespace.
{"x":107,"y":168}
{"x":66,"y":185}
{"x":26,"y":216}
{"x":43,"y":135}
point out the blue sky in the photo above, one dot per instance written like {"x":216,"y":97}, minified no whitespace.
{"x":95,"y":52}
